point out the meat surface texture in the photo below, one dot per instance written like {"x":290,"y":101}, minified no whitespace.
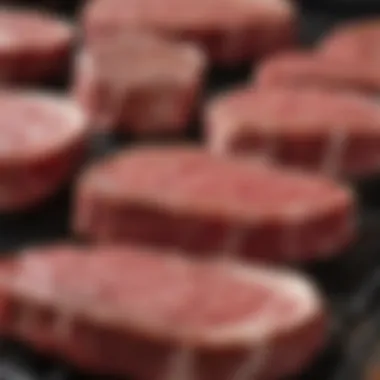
{"x":230,"y":31}
{"x":34,"y":46}
{"x":356,"y":42}
{"x":42,"y":142}
{"x":134,"y":311}
{"x":186,"y":198}
{"x":139,"y":83}
{"x":326,"y":131}
{"x":306,"y":69}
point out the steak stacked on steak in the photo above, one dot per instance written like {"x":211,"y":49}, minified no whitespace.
{"x":139,"y":83}
{"x":232,"y":31}
{"x":187,"y":198}
{"x":306,"y":69}
{"x":34,"y":46}
{"x":135,"y":311}
{"x":333,"y":132}
{"x":42,"y":142}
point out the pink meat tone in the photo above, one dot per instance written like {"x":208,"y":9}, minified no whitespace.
{"x":306,"y":69}
{"x":356,"y":42}
{"x":231,"y":31}
{"x":331,"y":132}
{"x":42,"y":142}
{"x":186,"y":198}
{"x":137,"y":312}
{"x":34,"y":46}
{"x":139,"y":83}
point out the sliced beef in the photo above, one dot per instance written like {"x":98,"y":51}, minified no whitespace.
{"x":231,"y":31}
{"x":308,"y":69}
{"x":34,"y":46}
{"x":187,"y":198}
{"x":139,"y":83}
{"x":327,"y":131}
{"x":137,"y":312}
{"x":43,"y":139}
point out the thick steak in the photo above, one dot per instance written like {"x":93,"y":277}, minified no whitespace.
{"x":134,"y":311}
{"x":42,"y":142}
{"x":139,"y":83}
{"x":232,"y":31}
{"x":187,"y":198}
{"x":306,"y":69}
{"x":34,"y":46}
{"x":328,"y":131}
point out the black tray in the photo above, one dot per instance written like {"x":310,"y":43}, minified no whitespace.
{"x":351,"y":282}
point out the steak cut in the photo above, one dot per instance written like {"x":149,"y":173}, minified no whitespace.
{"x":34,"y":46}
{"x":42,"y":142}
{"x":185,"y":197}
{"x":138,"y":312}
{"x":356,"y":42}
{"x":156,"y":94}
{"x":231,"y":31}
{"x":327,"y":131}
{"x":306,"y":69}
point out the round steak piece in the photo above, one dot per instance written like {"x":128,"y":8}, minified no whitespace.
{"x":113,"y":310}
{"x":231,"y":31}
{"x":185,"y":197}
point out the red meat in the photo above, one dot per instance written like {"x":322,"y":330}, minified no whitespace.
{"x":132,"y":311}
{"x":42,"y":141}
{"x":232,"y":31}
{"x":304,"y":69}
{"x":34,"y":46}
{"x":332,"y":132}
{"x":186,"y":198}
{"x":356,"y":42}
{"x":139,"y":83}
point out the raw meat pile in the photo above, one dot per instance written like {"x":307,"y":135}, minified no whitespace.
{"x":179,"y":273}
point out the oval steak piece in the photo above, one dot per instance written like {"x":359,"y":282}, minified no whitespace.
{"x":305,"y":69}
{"x":326,"y":131}
{"x":139,"y":83}
{"x":43,"y":139}
{"x":34,"y":46}
{"x":232,"y":31}
{"x":138,"y":312}
{"x":187,"y":198}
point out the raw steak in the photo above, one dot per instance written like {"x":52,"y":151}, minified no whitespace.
{"x":333,"y":132}
{"x":356,"y":42}
{"x":34,"y":46}
{"x":232,"y":31}
{"x":187,"y":198}
{"x":137,"y":312}
{"x":42,"y":142}
{"x":305,"y":69}
{"x":139,"y":83}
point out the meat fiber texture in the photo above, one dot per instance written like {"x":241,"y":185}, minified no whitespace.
{"x":134,"y":311}
{"x":34,"y":46}
{"x":354,"y":42}
{"x":186,"y":198}
{"x":334,"y":133}
{"x":301,"y":69}
{"x":231,"y":31}
{"x":43,"y":138}
{"x":139,"y":83}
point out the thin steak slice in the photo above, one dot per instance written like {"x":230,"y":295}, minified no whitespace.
{"x":232,"y":31}
{"x":305,"y":69}
{"x":43,"y":140}
{"x":328,"y":131}
{"x":139,"y":83}
{"x":186,"y":198}
{"x":34,"y":46}
{"x":135,"y":311}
